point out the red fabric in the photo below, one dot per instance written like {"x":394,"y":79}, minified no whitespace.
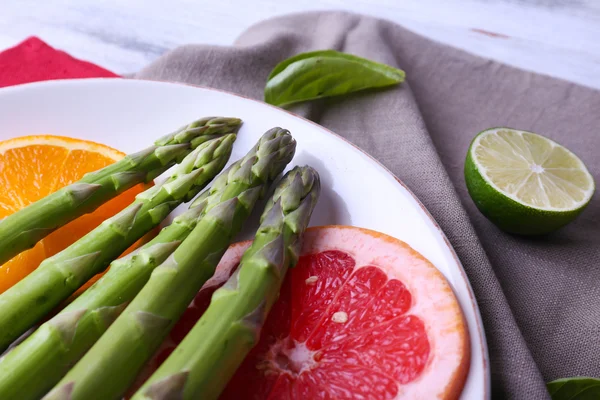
{"x":33,"y":60}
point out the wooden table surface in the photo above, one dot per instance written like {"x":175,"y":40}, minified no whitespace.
{"x":556,"y":37}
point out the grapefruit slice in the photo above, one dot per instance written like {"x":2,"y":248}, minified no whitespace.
{"x":362,"y":316}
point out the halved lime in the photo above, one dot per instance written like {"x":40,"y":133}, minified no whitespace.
{"x":526,"y":183}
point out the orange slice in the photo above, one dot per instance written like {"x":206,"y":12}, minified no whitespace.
{"x":32,"y":167}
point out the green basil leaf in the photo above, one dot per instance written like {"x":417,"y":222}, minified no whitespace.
{"x":326,"y":73}
{"x":577,"y":388}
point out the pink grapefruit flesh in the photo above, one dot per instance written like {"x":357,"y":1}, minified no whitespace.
{"x":362,"y":316}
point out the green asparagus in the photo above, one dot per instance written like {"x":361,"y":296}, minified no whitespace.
{"x":59,"y":276}
{"x":111,"y":365}
{"x":47,"y":356}
{"x":207,"y":358}
{"x":22,"y":230}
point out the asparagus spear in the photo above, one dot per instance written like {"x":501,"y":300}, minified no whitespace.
{"x":206,"y":359}
{"x":51,"y":350}
{"x":60,"y":275}
{"x":22,"y":230}
{"x":112,"y":364}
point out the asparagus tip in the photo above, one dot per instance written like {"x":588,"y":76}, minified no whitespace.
{"x":224,"y":212}
{"x":272,"y":216}
{"x":250,"y":196}
{"x":168,"y":153}
{"x":140,"y":156}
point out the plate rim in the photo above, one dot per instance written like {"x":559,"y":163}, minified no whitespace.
{"x":463,"y":275}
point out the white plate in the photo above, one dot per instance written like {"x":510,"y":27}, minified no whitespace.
{"x":357,"y":190}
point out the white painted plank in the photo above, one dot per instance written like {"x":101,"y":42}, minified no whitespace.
{"x":558,"y":38}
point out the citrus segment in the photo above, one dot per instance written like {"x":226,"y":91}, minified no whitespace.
{"x":6,"y":209}
{"x":28,"y":173}
{"x":362,"y":315}
{"x":331,"y":269}
{"x":78,"y":162}
{"x":32,"y":167}
{"x":20,"y":266}
{"x":367,"y":301}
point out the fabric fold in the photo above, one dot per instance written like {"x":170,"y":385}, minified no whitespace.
{"x":33,"y":60}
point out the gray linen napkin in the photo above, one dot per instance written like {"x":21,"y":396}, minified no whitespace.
{"x":539,"y":298}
